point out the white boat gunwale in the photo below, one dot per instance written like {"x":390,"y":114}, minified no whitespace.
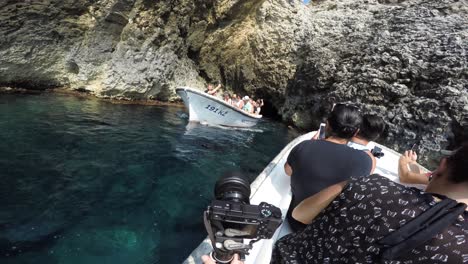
{"x":214,"y":98}
{"x":205,"y":246}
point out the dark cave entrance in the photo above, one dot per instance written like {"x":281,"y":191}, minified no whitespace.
{"x":270,"y":106}
{"x":270,"y":111}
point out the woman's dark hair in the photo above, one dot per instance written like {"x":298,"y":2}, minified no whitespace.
{"x":371,"y":128}
{"x":344,"y":121}
{"x":458,"y":165}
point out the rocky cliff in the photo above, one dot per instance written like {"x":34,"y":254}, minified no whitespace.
{"x":405,"y":60}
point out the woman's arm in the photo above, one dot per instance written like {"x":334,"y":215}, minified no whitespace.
{"x":287,"y":169}
{"x":408,"y":176}
{"x":217,"y":88}
{"x":308,"y":209}
{"x":374,"y":161}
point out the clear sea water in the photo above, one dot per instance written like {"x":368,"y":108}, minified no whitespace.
{"x":87,"y":181}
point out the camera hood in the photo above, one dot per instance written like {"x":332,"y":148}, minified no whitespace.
{"x":233,"y":187}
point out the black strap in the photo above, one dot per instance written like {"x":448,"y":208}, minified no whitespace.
{"x":421,"y":229}
{"x":208,"y":228}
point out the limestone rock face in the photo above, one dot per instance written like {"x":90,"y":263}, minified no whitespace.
{"x":112,"y":48}
{"x":405,"y":60}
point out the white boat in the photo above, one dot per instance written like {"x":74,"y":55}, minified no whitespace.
{"x":205,"y":108}
{"x":273,"y":186}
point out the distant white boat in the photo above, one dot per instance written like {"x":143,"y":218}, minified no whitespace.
{"x":205,"y":108}
{"x":273,"y":186}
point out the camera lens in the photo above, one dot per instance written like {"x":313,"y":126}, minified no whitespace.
{"x":232,"y":187}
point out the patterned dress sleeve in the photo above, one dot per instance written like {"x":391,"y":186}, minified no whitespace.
{"x":368,"y":209}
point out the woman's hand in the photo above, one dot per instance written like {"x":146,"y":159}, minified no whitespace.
{"x":408,"y":157}
{"x":208,"y":260}
{"x":412,"y":154}
{"x":405,"y":158}
{"x":409,"y":170}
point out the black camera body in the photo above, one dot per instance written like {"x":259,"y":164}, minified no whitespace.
{"x":377,"y":152}
{"x":264,"y":217}
{"x":230,"y":219}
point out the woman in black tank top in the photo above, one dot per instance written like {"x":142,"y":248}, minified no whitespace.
{"x":317,"y":164}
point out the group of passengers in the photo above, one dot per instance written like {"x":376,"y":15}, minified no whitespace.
{"x":342,"y":213}
{"x":246,"y":103}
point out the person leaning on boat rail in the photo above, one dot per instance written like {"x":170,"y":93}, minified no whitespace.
{"x":317,"y":164}
{"x":375,"y":220}
{"x":371,"y":128}
{"x":209,"y":90}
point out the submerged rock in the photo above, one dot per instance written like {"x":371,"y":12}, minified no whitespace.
{"x":405,"y":60}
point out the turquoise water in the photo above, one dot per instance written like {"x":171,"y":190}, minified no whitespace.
{"x":86,"y":181}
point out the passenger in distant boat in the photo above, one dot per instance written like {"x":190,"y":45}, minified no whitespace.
{"x":234,"y":99}
{"x":226,"y":98}
{"x":252,"y":103}
{"x":258,"y":106}
{"x":240,"y":103}
{"x":248,"y":107}
{"x":212,"y":91}
{"x":371,"y":128}
{"x":374,"y":220}
{"x":317,"y":164}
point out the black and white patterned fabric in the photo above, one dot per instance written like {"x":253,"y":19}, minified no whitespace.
{"x":367,"y":210}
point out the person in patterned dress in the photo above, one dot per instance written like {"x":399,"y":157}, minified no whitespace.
{"x":374,"y":220}
{"x":315,"y":165}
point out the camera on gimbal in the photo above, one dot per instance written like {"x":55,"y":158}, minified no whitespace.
{"x":230,"y":219}
{"x":377,"y":152}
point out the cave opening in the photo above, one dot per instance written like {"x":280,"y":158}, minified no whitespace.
{"x":270,"y":111}
{"x":270,"y":108}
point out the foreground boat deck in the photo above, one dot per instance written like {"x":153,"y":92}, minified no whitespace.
{"x":273,"y":186}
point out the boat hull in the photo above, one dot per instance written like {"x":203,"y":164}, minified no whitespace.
{"x":208,"y":109}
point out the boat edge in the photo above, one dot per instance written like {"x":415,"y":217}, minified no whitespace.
{"x":193,"y":90}
{"x":205,"y":246}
